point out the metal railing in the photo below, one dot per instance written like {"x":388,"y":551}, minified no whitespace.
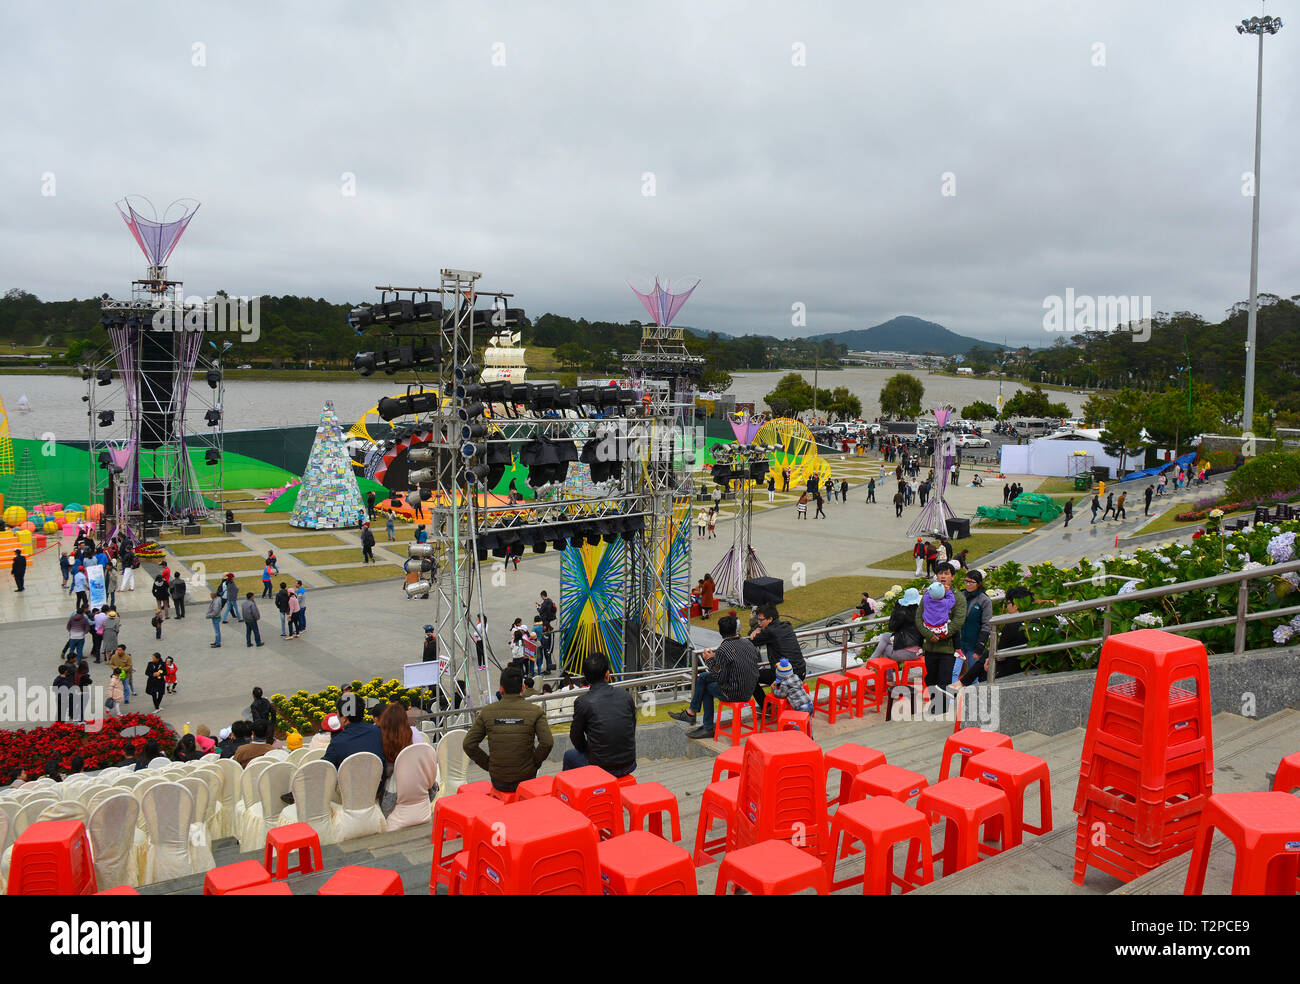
{"x":1240,"y":619}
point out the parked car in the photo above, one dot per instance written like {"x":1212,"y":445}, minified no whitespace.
{"x":970,"y":441}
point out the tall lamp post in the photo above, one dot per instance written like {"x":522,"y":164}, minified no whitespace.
{"x":1259,"y":26}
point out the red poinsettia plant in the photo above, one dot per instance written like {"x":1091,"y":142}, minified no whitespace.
{"x":30,"y":750}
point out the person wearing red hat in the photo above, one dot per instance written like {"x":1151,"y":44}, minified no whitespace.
{"x":330,"y":724}
{"x":228,"y":591}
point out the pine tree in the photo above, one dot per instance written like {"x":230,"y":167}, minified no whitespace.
{"x":25,"y":489}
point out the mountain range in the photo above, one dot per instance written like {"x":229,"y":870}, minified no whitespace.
{"x":904,"y":333}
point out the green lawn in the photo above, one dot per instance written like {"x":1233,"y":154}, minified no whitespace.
{"x":828,"y":596}
{"x":317,"y":558}
{"x":371,"y":572}
{"x":238,"y":563}
{"x":293,"y":543}
{"x":1050,"y":485}
{"x":977,"y":543}
{"x":208,"y":549}
{"x":1166,"y":520}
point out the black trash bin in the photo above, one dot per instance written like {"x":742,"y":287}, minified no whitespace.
{"x":958,"y":529}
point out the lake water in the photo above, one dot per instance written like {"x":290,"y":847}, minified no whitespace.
{"x":57,"y":407}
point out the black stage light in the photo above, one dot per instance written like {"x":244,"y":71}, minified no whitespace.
{"x":104,"y":377}
{"x":473,"y":431}
{"x":543,"y":396}
{"x":467,"y":371}
{"x":85,"y":372}
{"x":566,"y":399}
{"x":478,"y":474}
{"x":105,"y":459}
{"x":406,"y":356}
{"x":722,"y":475}
{"x":364,"y":363}
{"x":470,"y":391}
{"x":106,"y":418}
{"x":212,"y":456}
{"x":361,"y":318}
{"x":428,"y":311}
{"x":471,"y":410}
{"x":214,"y":378}
{"x":758,"y":470}
{"x":394,"y":312}
{"x":212,"y":418}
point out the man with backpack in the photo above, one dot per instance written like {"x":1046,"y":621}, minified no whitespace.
{"x":228,"y":591}
{"x":367,"y":545}
{"x":546,"y":612}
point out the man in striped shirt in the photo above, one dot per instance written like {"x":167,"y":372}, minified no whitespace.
{"x":732,"y":674}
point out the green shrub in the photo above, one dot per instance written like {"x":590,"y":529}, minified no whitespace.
{"x":1220,"y":460}
{"x":1277,"y":471}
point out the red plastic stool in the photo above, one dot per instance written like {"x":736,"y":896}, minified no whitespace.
{"x":870,"y":683}
{"x":880,"y":824}
{"x":639,"y":863}
{"x":736,"y":727}
{"x":728,"y":763}
{"x":539,"y":786}
{"x":887,"y":780}
{"x":123,"y":890}
{"x":627,"y":780}
{"x":241,"y":874}
{"x":850,"y":760}
{"x":905,"y":670}
{"x":484,"y":787}
{"x":280,"y":841}
{"x":649,"y":801}
{"x":718,"y":802}
{"x":1288,"y":774}
{"x":772,"y":708}
{"x":52,"y":857}
{"x":269,"y":888}
{"x":839,"y":696}
{"x":537,"y":846}
{"x":967,"y":806}
{"x":595,"y":794}
{"x":795,"y":721}
{"x":968,"y":742}
{"x":1265,"y":830}
{"x":1014,"y":772}
{"x":451,"y":819}
{"x":771,"y":867}
{"x":355,"y":879}
{"x":459,"y":873}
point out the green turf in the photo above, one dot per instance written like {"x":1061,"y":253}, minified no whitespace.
{"x":317,"y":558}
{"x":370,"y":572}
{"x":210,"y":549}
{"x":828,"y":596}
{"x":293,"y":543}
{"x":977,"y":543}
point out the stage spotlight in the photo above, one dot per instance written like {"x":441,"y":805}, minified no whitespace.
{"x":421,"y":455}
{"x":364,"y":363}
{"x":418,"y":589}
{"x":428,"y":311}
{"x":419,"y":550}
{"x":543,"y":396}
{"x":468,"y":371}
{"x":406,"y":356}
{"x":410,"y":404}
{"x":212,"y":418}
{"x":722,"y":475}
{"x":86,"y":373}
{"x":212,"y":456}
{"x":214,"y":378}
{"x":415,"y":565}
{"x":104,"y":377}
{"x":419,"y":476}
{"x":471,"y":410}
{"x":470,"y":391}
{"x":105,"y":459}
{"x":479,"y":474}
{"x":472,"y":431}
{"x":393,"y":312}
{"x":114,"y":470}
{"x":758,"y":471}
{"x":416,"y":498}
{"x":361,"y":318}
{"x":106,"y":418}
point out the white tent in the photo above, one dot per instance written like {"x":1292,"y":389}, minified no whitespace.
{"x":1052,"y":457}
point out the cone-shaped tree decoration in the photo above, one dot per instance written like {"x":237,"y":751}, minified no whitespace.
{"x":25,"y":489}
{"x":329,"y":497}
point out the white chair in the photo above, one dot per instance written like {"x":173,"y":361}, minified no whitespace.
{"x":277,"y":755}
{"x":101,"y":793}
{"x":64,"y":810}
{"x":359,"y":814}
{"x":248,"y":789}
{"x":211,"y":775}
{"x":128,"y":779}
{"x":415,"y":772}
{"x":273,"y":781}
{"x":160,"y":762}
{"x":231,"y":774}
{"x":298,"y":756}
{"x":204,"y":810}
{"x":9,"y":809}
{"x":168,"y":809}
{"x":211,"y":757}
{"x":310,"y":755}
{"x":28,"y":815}
{"x":453,"y":763}
{"x":113,"y":839}
{"x":313,"y":787}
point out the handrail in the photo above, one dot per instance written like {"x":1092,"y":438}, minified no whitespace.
{"x":1241,"y":578}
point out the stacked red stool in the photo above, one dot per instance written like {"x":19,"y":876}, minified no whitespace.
{"x":535,"y":846}
{"x":451,"y":820}
{"x":782,"y":792}
{"x":640,"y":863}
{"x":595,"y":794}
{"x":52,"y":857}
{"x":1265,"y":832}
{"x":1147,"y":769}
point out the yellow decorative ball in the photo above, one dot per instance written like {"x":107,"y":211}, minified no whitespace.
{"x":15,"y":515}
{"x":51,"y":526}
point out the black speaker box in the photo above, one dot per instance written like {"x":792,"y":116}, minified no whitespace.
{"x":763,"y":591}
{"x":233,"y":527}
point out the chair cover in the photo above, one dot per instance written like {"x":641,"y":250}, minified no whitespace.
{"x":297,"y":756}
{"x":204,"y":810}
{"x":359,"y":814}
{"x":169,"y":814}
{"x":113,"y":837}
{"x":128,"y":779}
{"x":453,"y":763}
{"x":161,"y":762}
{"x":248,"y":789}
{"x":313,"y":788}
{"x":101,"y":793}
{"x":64,"y":810}
{"x":9,"y":809}
{"x":27,"y":815}
{"x":231,"y":774}
{"x":415,"y":772}
{"x":277,"y":755}
{"x":211,"y":775}
{"x":273,"y":781}
{"x":310,"y":755}
{"x":211,"y":757}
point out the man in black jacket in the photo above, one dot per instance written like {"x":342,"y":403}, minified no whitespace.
{"x":781,"y":644}
{"x":177,"y":590}
{"x":603,"y":731}
{"x":1009,"y":637}
{"x":732,"y":672}
{"x":367,"y":545}
{"x":19,"y":569}
{"x":546,"y":612}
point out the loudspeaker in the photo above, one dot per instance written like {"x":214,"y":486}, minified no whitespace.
{"x":763,"y":591}
{"x":194,"y":530}
{"x":233,"y":527}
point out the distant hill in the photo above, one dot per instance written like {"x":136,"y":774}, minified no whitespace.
{"x":905,"y":334}
{"x":705,"y":333}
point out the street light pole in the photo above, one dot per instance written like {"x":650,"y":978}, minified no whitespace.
{"x":1259,"y":26}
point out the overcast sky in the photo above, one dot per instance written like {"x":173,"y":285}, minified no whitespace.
{"x":1097,"y":145}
